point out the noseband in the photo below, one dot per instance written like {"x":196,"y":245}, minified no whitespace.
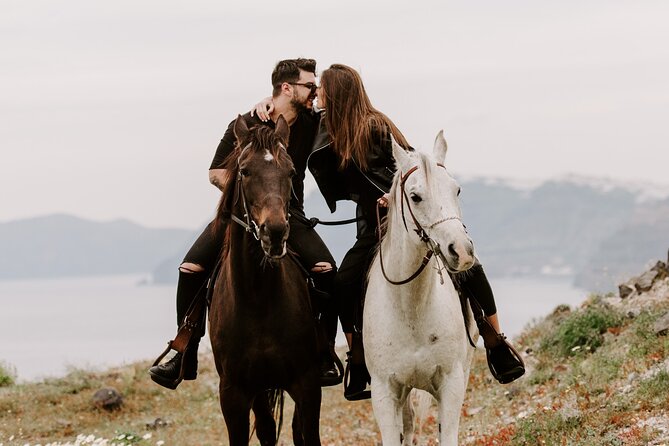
{"x":432,"y":246}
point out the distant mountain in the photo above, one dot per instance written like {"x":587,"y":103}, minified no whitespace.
{"x":591,"y":231}
{"x":63,"y":245}
{"x":595,"y":232}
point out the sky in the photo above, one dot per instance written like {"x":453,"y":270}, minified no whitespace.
{"x":114,"y":109}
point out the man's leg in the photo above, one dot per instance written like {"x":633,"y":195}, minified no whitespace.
{"x":317,"y":259}
{"x":194,"y":272}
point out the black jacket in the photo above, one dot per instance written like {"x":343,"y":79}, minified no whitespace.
{"x":323,"y":164}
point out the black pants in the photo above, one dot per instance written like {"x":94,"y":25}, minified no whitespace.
{"x":351,"y":280}
{"x":302,"y":239}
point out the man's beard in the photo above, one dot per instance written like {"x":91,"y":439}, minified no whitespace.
{"x":299,"y":106}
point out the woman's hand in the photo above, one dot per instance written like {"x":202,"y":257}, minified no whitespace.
{"x":263,"y":109}
{"x":383,"y":201}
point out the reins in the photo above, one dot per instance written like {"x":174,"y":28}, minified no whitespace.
{"x":432,"y":246}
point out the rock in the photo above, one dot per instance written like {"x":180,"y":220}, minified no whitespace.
{"x":107,"y":398}
{"x":633,"y":313}
{"x":624,"y":290}
{"x":645,"y":281}
{"x":661,"y":267}
{"x":661,"y":325}
{"x":155,"y":424}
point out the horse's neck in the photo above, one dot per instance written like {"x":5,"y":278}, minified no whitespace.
{"x":403,"y":254}
{"x":245,"y":260}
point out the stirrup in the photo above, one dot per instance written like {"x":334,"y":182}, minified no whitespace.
{"x":359,"y":395}
{"x":515,"y":372}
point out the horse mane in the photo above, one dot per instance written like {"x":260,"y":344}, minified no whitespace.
{"x":260,"y":137}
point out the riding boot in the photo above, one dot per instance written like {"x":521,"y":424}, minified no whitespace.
{"x":331,"y":371}
{"x":169,"y":374}
{"x":356,"y":376}
{"x":504,"y":362}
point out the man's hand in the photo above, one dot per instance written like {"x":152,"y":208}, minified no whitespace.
{"x":263,"y":109}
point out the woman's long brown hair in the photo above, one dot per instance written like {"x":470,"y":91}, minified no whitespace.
{"x":350,"y":118}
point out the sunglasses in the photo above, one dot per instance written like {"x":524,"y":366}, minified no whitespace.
{"x":310,"y":85}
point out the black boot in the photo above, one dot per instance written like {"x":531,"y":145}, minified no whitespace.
{"x":504,"y":362}
{"x":356,"y":376}
{"x":168,"y":373}
{"x":330,"y":375}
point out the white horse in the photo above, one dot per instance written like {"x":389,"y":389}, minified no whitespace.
{"x":414,"y":330}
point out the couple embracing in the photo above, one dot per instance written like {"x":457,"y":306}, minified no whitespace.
{"x":347,"y":147}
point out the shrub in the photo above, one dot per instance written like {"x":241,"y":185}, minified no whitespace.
{"x":7,"y":374}
{"x":581,"y":330}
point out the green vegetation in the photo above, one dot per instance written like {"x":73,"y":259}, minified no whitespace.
{"x":596,"y":376}
{"x":7,"y":374}
{"x":581,"y":331}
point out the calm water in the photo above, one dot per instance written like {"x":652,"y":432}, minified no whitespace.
{"x":47,"y":326}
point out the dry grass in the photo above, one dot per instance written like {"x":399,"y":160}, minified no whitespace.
{"x":616,"y":394}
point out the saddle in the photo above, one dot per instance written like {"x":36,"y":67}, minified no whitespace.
{"x":194,"y":322}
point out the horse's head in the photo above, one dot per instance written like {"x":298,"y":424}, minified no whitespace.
{"x":430,"y":204}
{"x":264,"y":172}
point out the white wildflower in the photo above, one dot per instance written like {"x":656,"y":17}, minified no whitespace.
{"x":160,"y":443}
{"x":575,"y":349}
{"x":146,"y":436}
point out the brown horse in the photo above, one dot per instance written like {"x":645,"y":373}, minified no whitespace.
{"x":262,"y":328}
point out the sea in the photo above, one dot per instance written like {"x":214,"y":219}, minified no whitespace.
{"x":51,"y":326}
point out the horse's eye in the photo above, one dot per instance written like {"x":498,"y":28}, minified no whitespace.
{"x":459,"y":190}
{"x":244,"y":172}
{"x":416,"y":198}
{"x":293,"y":173}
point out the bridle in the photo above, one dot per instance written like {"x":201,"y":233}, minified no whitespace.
{"x":433,"y":247}
{"x":249,"y":225}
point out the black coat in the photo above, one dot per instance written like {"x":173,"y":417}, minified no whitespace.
{"x":323,"y":163}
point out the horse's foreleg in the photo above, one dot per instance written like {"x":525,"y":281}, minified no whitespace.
{"x":450,"y":398}
{"x":298,"y":437}
{"x":236,"y":406}
{"x":408,"y":416}
{"x":387,"y":402}
{"x":307,"y":396}
{"x":265,"y":424}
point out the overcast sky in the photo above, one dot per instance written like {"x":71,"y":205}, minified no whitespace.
{"x":114,"y":109}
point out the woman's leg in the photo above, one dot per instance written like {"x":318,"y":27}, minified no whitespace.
{"x":504,"y":362}
{"x":350,"y":284}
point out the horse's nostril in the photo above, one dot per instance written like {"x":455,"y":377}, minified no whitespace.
{"x":451,"y":250}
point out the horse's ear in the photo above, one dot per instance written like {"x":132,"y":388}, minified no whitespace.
{"x":401,"y":156}
{"x":241,"y":129}
{"x":440,"y":147}
{"x":282,"y":131}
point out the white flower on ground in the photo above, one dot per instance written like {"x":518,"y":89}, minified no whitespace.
{"x":146,"y":436}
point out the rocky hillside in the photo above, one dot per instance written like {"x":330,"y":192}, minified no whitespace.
{"x":596,"y":375}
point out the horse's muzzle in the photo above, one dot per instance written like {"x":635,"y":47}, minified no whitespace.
{"x":459,"y":256}
{"x":273,"y":239}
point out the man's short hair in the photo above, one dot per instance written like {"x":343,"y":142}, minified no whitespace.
{"x":288,"y":70}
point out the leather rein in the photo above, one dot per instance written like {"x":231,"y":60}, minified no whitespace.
{"x":432,"y":246}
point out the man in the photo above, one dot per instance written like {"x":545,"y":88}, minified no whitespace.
{"x":293,"y":93}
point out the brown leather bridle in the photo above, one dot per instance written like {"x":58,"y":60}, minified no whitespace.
{"x":432,"y":246}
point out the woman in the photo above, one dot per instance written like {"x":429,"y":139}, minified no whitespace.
{"x":353,"y":160}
